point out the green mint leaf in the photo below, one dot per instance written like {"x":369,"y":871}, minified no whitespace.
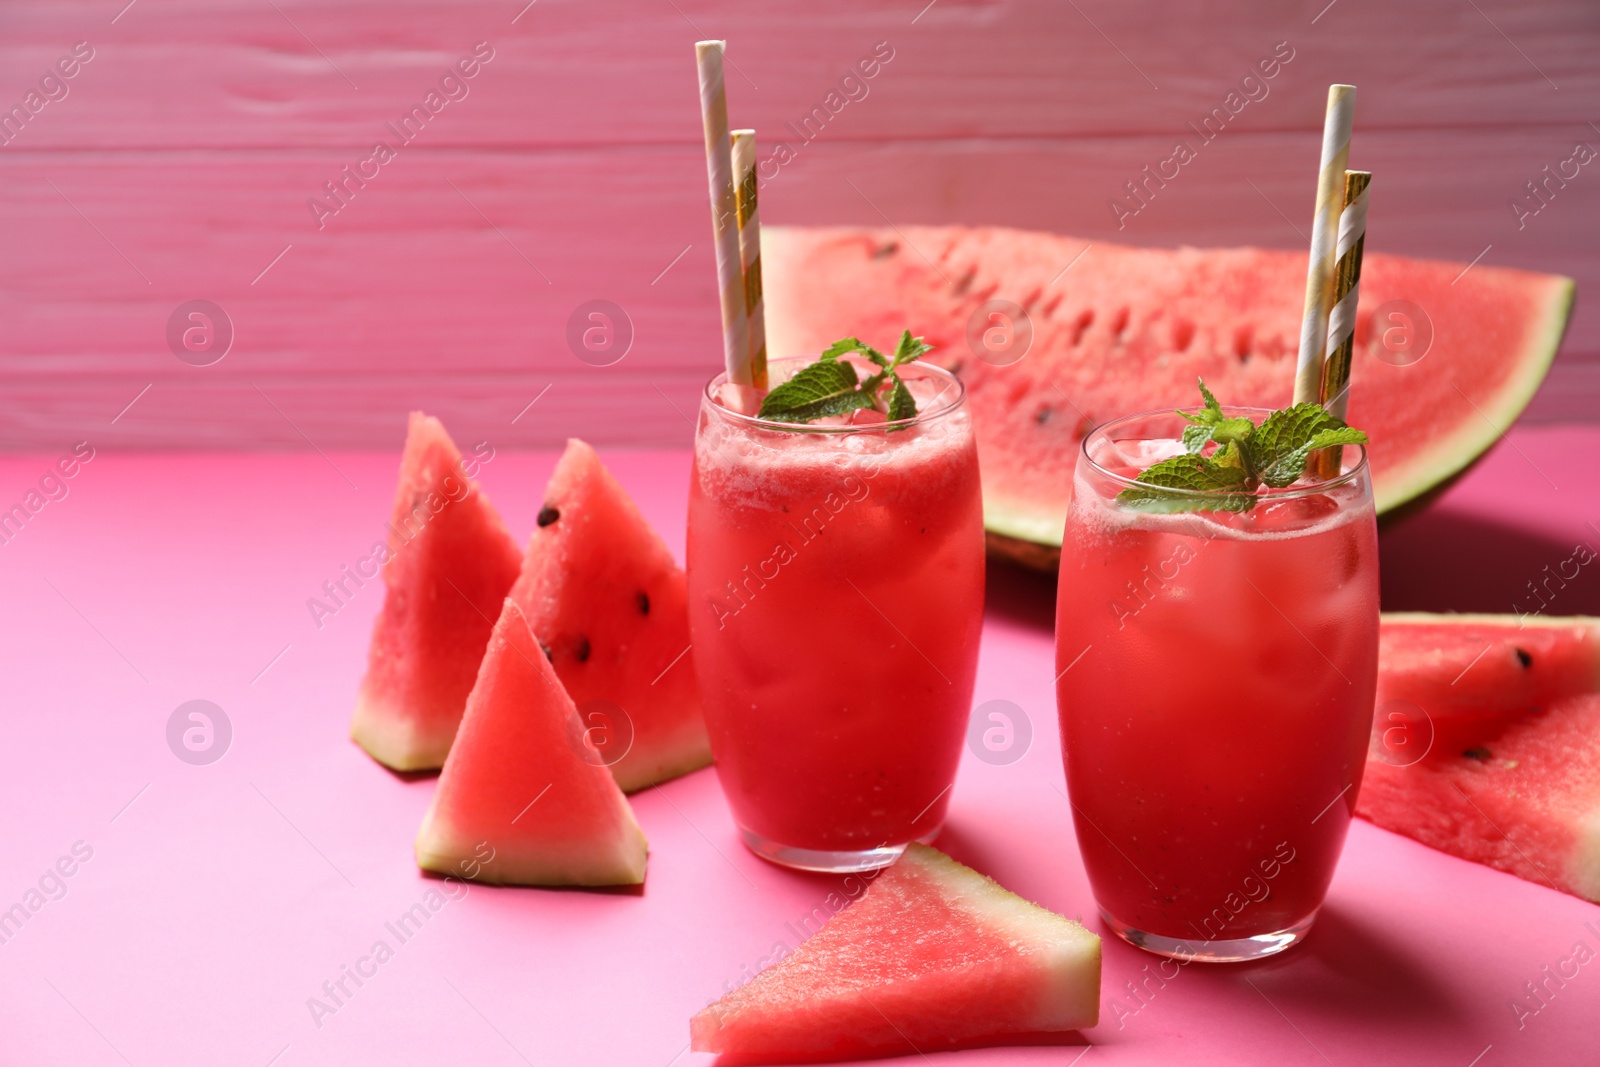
{"x":851,"y":344}
{"x":1286,"y":439}
{"x":1287,"y":429}
{"x":1232,"y":431}
{"x":901,"y":403}
{"x":1196,"y":473}
{"x":830,"y":386}
{"x":1209,"y":415}
{"x":818,"y":390}
{"x":1196,"y":437}
{"x":909,"y":348}
{"x":1246,"y":456}
{"x":1287,"y":468}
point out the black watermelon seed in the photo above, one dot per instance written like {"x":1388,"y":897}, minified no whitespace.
{"x":1480,"y":754}
{"x":547,"y":515}
{"x":644,"y":603}
{"x":547,"y":653}
{"x":1042,"y":416}
{"x":582,"y":650}
{"x":1524,"y":659}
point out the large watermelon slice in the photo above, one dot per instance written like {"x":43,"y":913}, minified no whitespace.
{"x":450,"y":562}
{"x":932,"y":955}
{"x":1486,"y":742}
{"x":610,"y":607}
{"x":524,"y":798}
{"x":1122,"y":330}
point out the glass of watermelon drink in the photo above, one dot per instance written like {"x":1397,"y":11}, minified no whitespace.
{"x":1216,"y":676}
{"x":836,"y":575}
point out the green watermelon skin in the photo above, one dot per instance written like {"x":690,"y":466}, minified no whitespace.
{"x":1118,"y":330}
{"x":450,"y":563}
{"x":1511,"y":772}
{"x":606,"y":599}
{"x":522,"y":799}
{"x":932,"y":955}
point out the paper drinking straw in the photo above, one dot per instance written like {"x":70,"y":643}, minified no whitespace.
{"x":744,"y":180}
{"x":1346,"y":286}
{"x":1324,"y":230}
{"x":724,"y":212}
{"x":1335,"y":391}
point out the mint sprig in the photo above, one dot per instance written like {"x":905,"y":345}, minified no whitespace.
{"x":1243,"y":457}
{"x":830,"y":386}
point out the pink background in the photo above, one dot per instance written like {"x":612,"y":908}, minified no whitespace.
{"x":219,"y":898}
{"x":180,"y":165}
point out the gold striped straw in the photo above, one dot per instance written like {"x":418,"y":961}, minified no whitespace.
{"x":1335,"y":394}
{"x":1324,"y":232}
{"x":724,"y":213}
{"x":744,"y":179}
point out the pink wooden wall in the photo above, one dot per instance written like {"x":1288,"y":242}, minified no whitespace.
{"x":180,"y":161}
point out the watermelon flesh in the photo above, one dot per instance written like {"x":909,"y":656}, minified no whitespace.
{"x":524,"y":798}
{"x":1486,"y":742}
{"x":450,"y":563}
{"x":1130,"y":329}
{"x":610,"y":606}
{"x":932,"y":955}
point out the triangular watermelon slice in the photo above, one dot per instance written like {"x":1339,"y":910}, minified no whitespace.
{"x":1118,"y":330}
{"x":610,"y":607}
{"x":932,"y":955}
{"x":1486,"y":742}
{"x":450,"y":563}
{"x":524,"y":798}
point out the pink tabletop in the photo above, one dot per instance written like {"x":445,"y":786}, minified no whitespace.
{"x":217,"y":900}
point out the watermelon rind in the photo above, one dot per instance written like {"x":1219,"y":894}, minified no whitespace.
{"x":583,"y":573}
{"x":441,"y":580}
{"x":516,"y":732}
{"x":1469,"y":618}
{"x":1450,"y":455}
{"x":1428,"y":811}
{"x":1496,"y":337}
{"x":814,"y":1003}
{"x":1033,"y":538}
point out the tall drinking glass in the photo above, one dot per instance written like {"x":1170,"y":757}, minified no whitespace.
{"x":836,"y":580}
{"x":1216,"y":673}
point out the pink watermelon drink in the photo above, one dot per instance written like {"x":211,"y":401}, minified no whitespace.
{"x":1217,"y":657}
{"x":836,"y":578}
